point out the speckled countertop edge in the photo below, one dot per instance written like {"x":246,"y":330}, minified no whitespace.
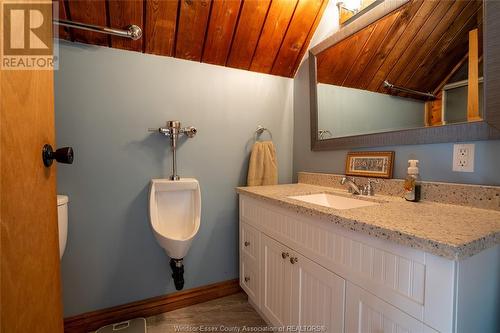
{"x":395,"y":233}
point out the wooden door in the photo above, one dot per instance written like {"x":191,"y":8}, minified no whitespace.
{"x":275,"y":282}
{"x":366,"y":313}
{"x":30,"y":272}
{"x":318,"y":297}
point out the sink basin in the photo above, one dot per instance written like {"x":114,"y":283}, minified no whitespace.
{"x":333,"y":201}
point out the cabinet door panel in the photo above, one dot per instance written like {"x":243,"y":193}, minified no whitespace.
{"x":318,"y":296}
{"x":249,"y":241}
{"x":366,"y":313}
{"x":249,"y":279}
{"x":275,"y":282}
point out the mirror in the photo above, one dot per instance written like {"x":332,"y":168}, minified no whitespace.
{"x":418,"y":65}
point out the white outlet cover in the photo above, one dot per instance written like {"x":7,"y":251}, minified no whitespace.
{"x":463,"y":157}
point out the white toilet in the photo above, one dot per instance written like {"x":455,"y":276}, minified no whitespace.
{"x":62,"y":222}
{"x":174,"y":213}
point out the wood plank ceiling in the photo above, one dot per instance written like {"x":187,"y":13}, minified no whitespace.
{"x":415,"y":47}
{"x":267,"y":36}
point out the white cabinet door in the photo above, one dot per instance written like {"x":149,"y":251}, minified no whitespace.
{"x":275,"y":281}
{"x":366,"y":313}
{"x":249,"y":279}
{"x":249,"y":262}
{"x":318,"y":297}
{"x":249,"y":242}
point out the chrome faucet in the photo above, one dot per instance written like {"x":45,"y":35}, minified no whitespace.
{"x":351,"y":182}
{"x":353,"y":188}
{"x":369,"y":189}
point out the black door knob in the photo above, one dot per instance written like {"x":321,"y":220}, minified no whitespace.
{"x":61,"y":155}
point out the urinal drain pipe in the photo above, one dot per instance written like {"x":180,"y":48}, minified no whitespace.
{"x":177,"y":273}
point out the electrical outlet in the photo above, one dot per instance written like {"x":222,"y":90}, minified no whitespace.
{"x":463,"y":157}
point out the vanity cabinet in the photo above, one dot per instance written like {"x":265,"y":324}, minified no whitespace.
{"x":303,"y":270}
{"x":317,"y":296}
{"x":276,"y":277}
{"x":365,"y":313}
{"x":297,"y":291}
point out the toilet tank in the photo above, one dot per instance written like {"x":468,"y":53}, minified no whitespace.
{"x":62,"y":222}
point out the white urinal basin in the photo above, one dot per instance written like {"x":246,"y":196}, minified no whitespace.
{"x":174,"y":213}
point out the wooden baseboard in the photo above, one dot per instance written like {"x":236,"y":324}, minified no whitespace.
{"x":149,"y":307}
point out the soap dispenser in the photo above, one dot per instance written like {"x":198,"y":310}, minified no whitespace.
{"x":412,"y":182}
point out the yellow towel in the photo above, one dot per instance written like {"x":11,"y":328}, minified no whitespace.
{"x":263,"y":166}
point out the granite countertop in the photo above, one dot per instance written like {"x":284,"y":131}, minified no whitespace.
{"x":451,"y":231}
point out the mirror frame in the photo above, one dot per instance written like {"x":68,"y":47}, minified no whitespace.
{"x":486,"y":129}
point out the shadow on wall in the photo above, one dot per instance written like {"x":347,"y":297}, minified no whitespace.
{"x":157,"y":146}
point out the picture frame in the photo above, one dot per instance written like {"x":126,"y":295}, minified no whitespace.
{"x":377,"y":164}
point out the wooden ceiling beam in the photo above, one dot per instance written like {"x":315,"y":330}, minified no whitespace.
{"x":414,"y":47}
{"x":90,"y":12}
{"x":123,"y":13}
{"x":260,"y":35}
{"x":453,"y":26}
{"x":251,"y":21}
{"x":221,"y":29}
{"x":450,"y":52}
{"x":63,"y":32}
{"x":274,"y":31}
{"x":296,"y":35}
{"x":402,"y":43}
{"x":473,"y":78}
{"x":160,"y":26}
{"x":348,"y":53}
{"x":368,"y":53}
{"x":192,"y":28}
{"x":385,"y":48}
{"x":312,"y":30}
{"x":425,"y":39}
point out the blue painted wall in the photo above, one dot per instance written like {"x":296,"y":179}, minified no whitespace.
{"x":435,"y":159}
{"x":105,"y":99}
{"x":346,"y":111}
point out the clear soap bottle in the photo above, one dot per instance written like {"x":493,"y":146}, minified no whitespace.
{"x":412,"y":182}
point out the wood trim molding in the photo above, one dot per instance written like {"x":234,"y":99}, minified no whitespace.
{"x":473,"y":78}
{"x":90,"y":321}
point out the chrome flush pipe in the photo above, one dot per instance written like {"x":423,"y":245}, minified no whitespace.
{"x":174,"y":127}
{"x":173,"y":130}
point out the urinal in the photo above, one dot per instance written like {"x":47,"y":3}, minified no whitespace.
{"x":174,"y":213}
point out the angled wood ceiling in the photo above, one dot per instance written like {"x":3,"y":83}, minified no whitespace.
{"x":267,"y":36}
{"x":415,"y":47}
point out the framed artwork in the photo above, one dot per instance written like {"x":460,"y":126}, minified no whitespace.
{"x":370,"y":164}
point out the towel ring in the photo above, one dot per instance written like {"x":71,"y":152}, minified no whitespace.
{"x":261,"y":129}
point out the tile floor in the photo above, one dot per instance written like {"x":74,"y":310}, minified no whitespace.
{"x":221,"y":315}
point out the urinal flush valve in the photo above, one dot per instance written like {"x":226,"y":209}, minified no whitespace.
{"x":177,"y":273}
{"x":173,"y":130}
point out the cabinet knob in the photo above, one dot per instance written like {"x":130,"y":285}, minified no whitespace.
{"x":285,"y":255}
{"x":247,"y":278}
{"x":293,"y":260}
{"x":247,"y":243}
